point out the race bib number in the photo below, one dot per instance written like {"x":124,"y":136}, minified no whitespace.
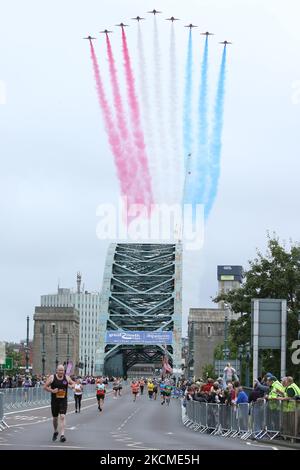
{"x":61,"y":394}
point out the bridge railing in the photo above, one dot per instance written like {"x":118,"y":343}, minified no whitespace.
{"x":22,"y":398}
{"x":260,"y":420}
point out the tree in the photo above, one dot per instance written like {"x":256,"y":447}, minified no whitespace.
{"x":208,"y":371}
{"x":273,"y":275}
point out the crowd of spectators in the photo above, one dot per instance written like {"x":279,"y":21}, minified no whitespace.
{"x":28,"y":380}
{"x":230,"y":392}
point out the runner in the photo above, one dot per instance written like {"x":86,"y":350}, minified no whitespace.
{"x":142,"y":385}
{"x":162,"y":387}
{"x":120,"y":386}
{"x":115,"y":387}
{"x":135,"y":387}
{"x":100,"y":393}
{"x":150,"y":386}
{"x":155,"y":389}
{"x":78,"y":389}
{"x":168,"y":391}
{"x":57,"y":384}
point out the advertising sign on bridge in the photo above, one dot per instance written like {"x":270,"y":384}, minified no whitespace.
{"x":139,"y":337}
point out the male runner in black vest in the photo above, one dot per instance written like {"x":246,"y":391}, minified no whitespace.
{"x":57,"y":384}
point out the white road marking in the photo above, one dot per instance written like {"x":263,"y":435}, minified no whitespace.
{"x":45,"y":406}
{"x":127,"y":419}
{"x":62,"y":446}
{"x":260,"y":445}
{"x":47,"y":419}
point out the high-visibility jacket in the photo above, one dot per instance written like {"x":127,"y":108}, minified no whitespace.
{"x":290,"y":405}
{"x":274,"y":404}
{"x":273,"y":390}
{"x":295,"y":388}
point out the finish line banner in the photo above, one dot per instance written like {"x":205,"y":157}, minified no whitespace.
{"x":139,"y":337}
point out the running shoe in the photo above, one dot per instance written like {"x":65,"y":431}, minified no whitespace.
{"x":54,"y":437}
{"x":62,"y":438}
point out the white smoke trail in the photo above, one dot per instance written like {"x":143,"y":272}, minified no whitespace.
{"x":147,"y":117}
{"x":176,"y":168}
{"x":164,"y":156}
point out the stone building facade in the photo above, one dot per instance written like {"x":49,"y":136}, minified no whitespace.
{"x":205,"y":332}
{"x":56,"y":338}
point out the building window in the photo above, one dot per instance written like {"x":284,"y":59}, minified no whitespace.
{"x":53,"y":328}
{"x":209,"y":331}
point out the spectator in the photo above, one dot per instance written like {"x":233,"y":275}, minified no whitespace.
{"x":221,"y":383}
{"x":229,"y":373}
{"x":256,"y":393}
{"x":230,"y":394}
{"x":242,"y":396}
{"x":207,"y":387}
{"x":292,"y":390}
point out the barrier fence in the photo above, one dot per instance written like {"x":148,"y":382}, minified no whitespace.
{"x":22,"y":398}
{"x":3,"y":424}
{"x":260,"y":420}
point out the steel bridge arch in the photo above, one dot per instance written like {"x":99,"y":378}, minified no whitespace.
{"x":142,"y":290}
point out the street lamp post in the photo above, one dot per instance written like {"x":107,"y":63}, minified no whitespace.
{"x":248,"y":354}
{"x":27,"y":346}
{"x":92,"y":367}
{"x":43,"y":349}
{"x":240,"y":356}
{"x":226,"y":349}
{"x":85,"y":364}
{"x":56,"y":346}
{"x":68,"y":349}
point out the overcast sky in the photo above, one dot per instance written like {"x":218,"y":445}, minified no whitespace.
{"x":56,"y":165}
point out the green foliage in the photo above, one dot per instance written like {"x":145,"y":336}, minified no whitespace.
{"x":273,"y":275}
{"x":208,"y":371}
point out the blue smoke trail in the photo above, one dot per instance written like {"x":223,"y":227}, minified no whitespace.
{"x":216,"y":142}
{"x":202,"y":154}
{"x":187,"y":107}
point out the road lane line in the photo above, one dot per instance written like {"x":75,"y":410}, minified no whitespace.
{"x":127,"y":419}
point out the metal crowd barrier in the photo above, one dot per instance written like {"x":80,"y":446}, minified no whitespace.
{"x":260,"y":420}
{"x":23,"y":398}
{"x":3,"y":424}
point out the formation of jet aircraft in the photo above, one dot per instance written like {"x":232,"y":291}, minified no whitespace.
{"x":155,"y":12}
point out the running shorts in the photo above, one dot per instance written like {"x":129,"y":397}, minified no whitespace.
{"x":59,"y":406}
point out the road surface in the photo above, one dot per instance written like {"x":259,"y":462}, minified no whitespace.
{"x":122,"y":425}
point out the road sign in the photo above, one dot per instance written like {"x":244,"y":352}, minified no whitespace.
{"x":9,"y":362}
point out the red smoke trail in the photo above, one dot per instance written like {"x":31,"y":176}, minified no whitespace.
{"x":134,"y":185}
{"x":116,"y":92}
{"x":136,"y":122}
{"x":113,"y":136}
{"x":127,"y":183}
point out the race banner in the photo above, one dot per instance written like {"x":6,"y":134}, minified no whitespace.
{"x":139,"y":337}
